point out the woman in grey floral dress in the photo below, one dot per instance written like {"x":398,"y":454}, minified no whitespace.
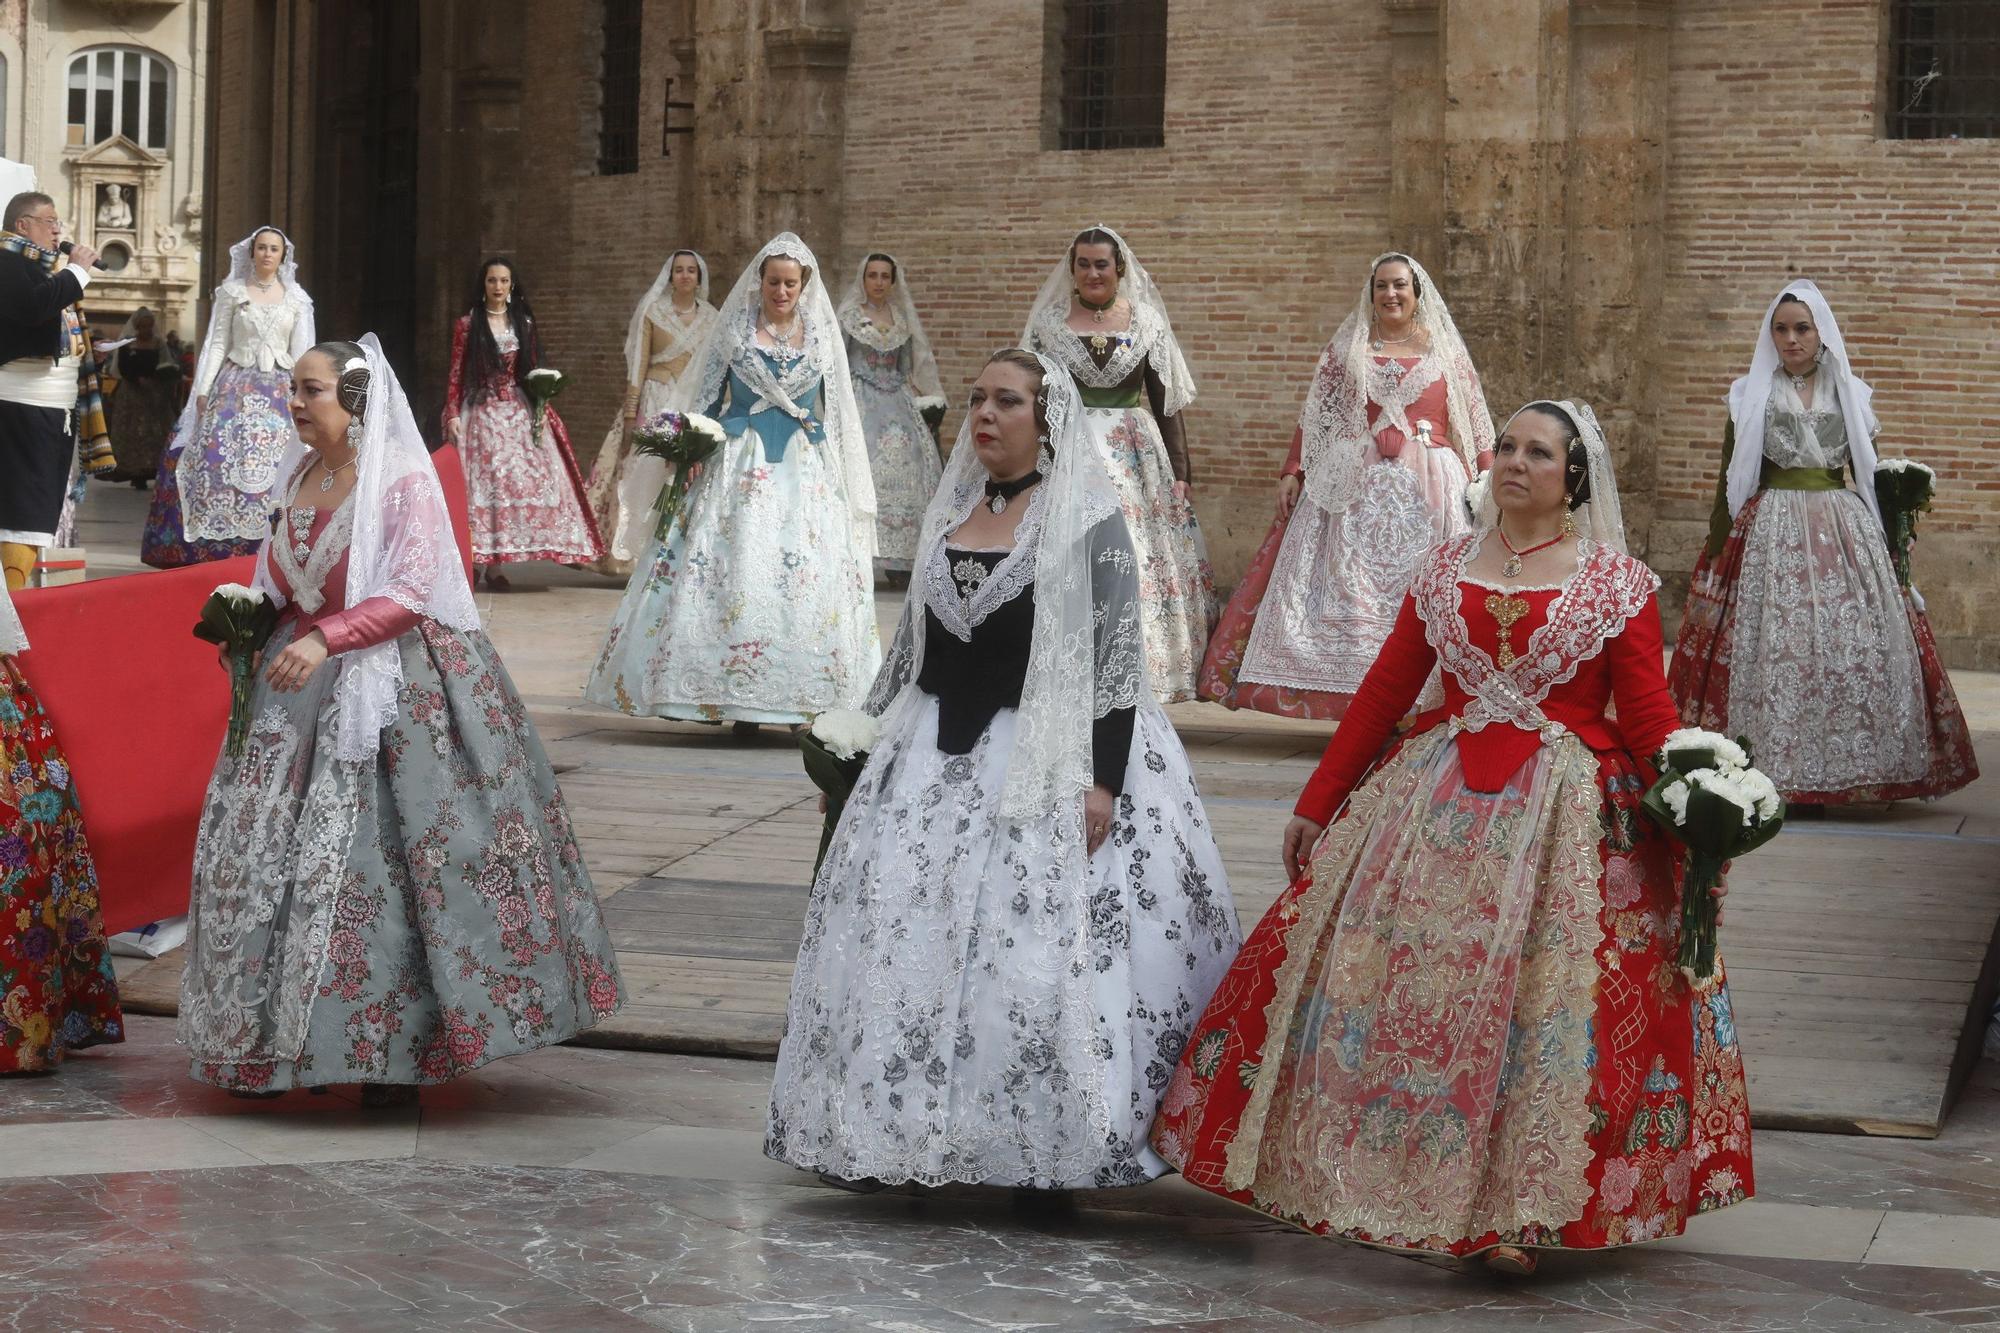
{"x":1022,"y":909}
{"x":387,"y":890}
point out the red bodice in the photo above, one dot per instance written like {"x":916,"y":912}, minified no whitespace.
{"x":1605,"y":650}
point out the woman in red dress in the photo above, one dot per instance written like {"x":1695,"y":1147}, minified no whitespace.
{"x":1461,"y":1029}
{"x":524,"y":493}
{"x":57,"y":993}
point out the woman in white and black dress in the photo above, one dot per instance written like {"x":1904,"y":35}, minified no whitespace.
{"x":1023,"y":908}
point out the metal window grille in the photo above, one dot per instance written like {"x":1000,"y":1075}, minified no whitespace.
{"x":119,"y":91}
{"x":668,"y":129}
{"x":1944,"y":70}
{"x":1114,"y":74}
{"x":618,"y":90}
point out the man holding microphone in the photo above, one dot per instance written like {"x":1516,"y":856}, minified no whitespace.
{"x":48,"y":384}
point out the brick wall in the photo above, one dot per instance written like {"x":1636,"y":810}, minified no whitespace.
{"x":1777,"y":170}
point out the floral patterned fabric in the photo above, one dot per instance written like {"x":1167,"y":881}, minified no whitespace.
{"x":1462,"y":1025}
{"x":1798,"y":635}
{"x":752,"y":609}
{"x":219,"y":483}
{"x":956,"y":1015}
{"x":524,"y":495}
{"x":902,"y":456}
{"x":404,"y":920}
{"x":57,"y":993}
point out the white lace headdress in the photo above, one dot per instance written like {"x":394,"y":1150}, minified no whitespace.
{"x":13,"y":639}
{"x":232,"y":288}
{"x":635,"y":329}
{"x":1601,"y":517}
{"x":730,"y":340}
{"x":925,"y":384}
{"x":1087,"y":657}
{"x":1750,"y":395}
{"x":1149,"y":319}
{"x":1334,"y":433}
{"x":403,"y":548}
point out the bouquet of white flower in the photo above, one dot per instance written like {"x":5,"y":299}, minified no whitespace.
{"x":541,"y":385}
{"x":240,"y":621}
{"x":1710,"y":797}
{"x":1903,"y":489}
{"x":682,"y":439}
{"x":836,"y":748}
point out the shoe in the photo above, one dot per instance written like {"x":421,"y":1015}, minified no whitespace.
{"x":1510,"y":1261}
{"x":380,"y":1096}
{"x":258,"y":1094}
{"x":744,"y":731}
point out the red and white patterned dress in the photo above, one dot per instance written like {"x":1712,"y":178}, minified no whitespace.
{"x":524,"y":496}
{"x":1462,"y":1026}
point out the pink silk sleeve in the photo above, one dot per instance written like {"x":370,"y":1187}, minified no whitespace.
{"x":377,"y":620}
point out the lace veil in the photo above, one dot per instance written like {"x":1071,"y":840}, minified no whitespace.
{"x":1601,"y":517}
{"x":730,"y":342}
{"x":13,"y":639}
{"x":1086,"y":657}
{"x":1149,"y":319}
{"x":1749,"y":396}
{"x":635,"y":329}
{"x":216,"y":345}
{"x":1333,"y":427}
{"x":403,"y":548}
{"x":925,"y":384}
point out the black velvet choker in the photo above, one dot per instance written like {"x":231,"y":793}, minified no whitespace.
{"x":998,"y":493}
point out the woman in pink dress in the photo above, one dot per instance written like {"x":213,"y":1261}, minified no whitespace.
{"x":1394,"y":427}
{"x":523,"y":488}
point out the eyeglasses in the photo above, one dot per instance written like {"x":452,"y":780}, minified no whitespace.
{"x":50,"y":221}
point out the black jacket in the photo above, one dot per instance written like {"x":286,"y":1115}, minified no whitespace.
{"x":31,"y":306}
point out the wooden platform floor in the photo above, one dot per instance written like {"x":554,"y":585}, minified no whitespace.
{"x":1860,"y":948}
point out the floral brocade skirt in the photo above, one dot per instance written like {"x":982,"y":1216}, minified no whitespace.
{"x":524,"y":495}
{"x":974,"y":1000}
{"x":212,"y":497}
{"x":903,"y":460}
{"x":57,"y":993}
{"x":401,"y":920}
{"x":1462,"y":1025}
{"x":1798,"y":636}
{"x":1176,"y":583}
{"x":1322,"y":593}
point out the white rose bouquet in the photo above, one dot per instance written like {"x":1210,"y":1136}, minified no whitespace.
{"x":1903,"y":489}
{"x":1710,"y":797}
{"x":683,"y":440}
{"x":239,"y":620}
{"x":836,"y":748}
{"x":541,"y":385}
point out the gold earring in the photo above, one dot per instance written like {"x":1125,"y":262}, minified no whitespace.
{"x":1569,"y":522}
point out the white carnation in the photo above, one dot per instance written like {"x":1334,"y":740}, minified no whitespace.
{"x":544,"y":373}
{"x":712,"y":428}
{"x":1904,"y":465}
{"x":846,"y":732}
{"x":1675,"y":794}
{"x":1728,"y":754}
{"x":237,"y":592}
{"x":1725,"y":786}
{"x":1760,"y":789}
{"x":1475,"y":493}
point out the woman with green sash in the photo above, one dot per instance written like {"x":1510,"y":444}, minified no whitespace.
{"x":1798,"y":634}
{"x":1100,"y":318}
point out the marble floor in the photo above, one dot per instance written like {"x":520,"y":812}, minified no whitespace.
{"x":576,"y":1190}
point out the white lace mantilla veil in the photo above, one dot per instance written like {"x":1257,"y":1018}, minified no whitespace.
{"x":925,"y":383}
{"x":731,"y":339}
{"x":635,"y":329}
{"x":1600,"y":518}
{"x":1749,"y":396}
{"x":214,"y":344}
{"x":1051,"y":309}
{"x":403,"y":548}
{"x":1085,"y":659}
{"x":1334,"y":433}
{"x":13,"y":639}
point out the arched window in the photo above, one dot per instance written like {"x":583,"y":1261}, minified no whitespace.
{"x":119,"y":90}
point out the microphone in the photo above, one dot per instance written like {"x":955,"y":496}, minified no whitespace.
{"x":68,"y":246}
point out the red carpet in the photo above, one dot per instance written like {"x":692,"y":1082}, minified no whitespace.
{"x":140,"y":705}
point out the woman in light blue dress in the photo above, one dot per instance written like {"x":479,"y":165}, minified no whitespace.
{"x":758,"y":604}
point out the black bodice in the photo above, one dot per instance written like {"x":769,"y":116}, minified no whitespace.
{"x":973,"y":681}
